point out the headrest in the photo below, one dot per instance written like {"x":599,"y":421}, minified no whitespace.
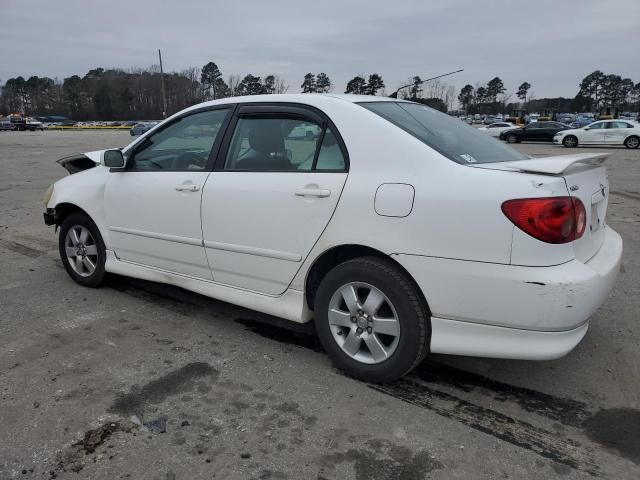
{"x":266,"y":136}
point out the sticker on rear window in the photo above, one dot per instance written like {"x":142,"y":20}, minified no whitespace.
{"x":468,"y":158}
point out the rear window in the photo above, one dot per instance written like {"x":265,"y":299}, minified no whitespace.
{"x":450,"y":137}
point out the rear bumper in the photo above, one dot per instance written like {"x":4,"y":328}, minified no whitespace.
{"x":501,"y":303}
{"x":477,"y":340}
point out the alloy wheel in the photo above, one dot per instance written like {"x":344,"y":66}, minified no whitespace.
{"x":364,"y":322}
{"x":81,"y":250}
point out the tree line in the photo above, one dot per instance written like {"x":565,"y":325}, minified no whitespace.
{"x":110,"y":94}
{"x":597,"y":92}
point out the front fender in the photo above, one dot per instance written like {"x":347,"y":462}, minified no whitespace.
{"x":84,"y":190}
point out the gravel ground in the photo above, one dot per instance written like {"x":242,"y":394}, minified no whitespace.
{"x":224,"y":392}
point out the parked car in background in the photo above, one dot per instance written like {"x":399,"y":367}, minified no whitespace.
{"x":330,"y":229}
{"x":5,"y":124}
{"x":140,"y":128}
{"x":580,"y":122}
{"x":33,"y":124}
{"x":494,"y":129}
{"x":534,"y":132}
{"x":603,"y":132}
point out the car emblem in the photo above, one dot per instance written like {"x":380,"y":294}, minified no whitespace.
{"x":574,"y":188}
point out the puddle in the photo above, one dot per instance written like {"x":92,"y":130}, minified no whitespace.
{"x":617,"y":429}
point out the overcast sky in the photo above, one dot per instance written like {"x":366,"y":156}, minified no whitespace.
{"x":552,"y":44}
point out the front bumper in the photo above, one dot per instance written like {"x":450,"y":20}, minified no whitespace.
{"x":557,"y":140}
{"x":49,"y":216}
{"x":514,"y":302}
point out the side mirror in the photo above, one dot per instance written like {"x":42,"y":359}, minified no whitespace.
{"x":113,"y":158}
{"x":587,"y":128}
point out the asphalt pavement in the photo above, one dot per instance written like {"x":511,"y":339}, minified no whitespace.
{"x":145,"y":381}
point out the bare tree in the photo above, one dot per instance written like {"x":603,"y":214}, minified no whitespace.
{"x":280,"y":86}
{"x":450,"y":97}
{"x":233,"y":81}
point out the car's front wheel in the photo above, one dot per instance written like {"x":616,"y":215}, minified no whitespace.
{"x":632,"y":142}
{"x":371,"y":320}
{"x":512,"y":138}
{"x":82,"y":250}
{"x":570,"y":141}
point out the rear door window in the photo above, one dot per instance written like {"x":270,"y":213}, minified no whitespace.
{"x":280,"y":142}
{"x":454,"y":139}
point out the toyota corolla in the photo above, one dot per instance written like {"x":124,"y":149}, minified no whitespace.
{"x":400,"y":230}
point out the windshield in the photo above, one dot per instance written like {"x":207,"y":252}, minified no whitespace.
{"x":447,"y":135}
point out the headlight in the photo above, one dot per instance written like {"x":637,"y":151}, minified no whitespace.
{"x":47,"y":195}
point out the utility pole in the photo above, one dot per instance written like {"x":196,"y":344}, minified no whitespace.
{"x":164,"y":97}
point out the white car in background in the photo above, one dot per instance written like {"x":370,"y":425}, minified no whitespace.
{"x":399,"y":229}
{"x":495,"y":128}
{"x":603,"y":132}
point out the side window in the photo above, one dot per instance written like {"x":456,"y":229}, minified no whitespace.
{"x":330,"y":156}
{"x":618,"y":125}
{"x":273,"y":143}
{"x":596,"y":126}
{"x":183,"y":146}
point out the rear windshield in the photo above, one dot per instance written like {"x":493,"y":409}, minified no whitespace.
{"x":445,"y":134}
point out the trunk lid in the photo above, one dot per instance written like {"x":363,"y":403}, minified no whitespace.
{"x":586,"y":178}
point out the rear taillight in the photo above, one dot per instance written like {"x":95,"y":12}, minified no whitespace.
{"x":551,"y":219}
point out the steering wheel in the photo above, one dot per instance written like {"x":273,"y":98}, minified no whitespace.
{"x":186,"y":159}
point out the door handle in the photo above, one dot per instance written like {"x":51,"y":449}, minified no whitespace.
{"x":313,"y":192}
{"x":187,"y":187}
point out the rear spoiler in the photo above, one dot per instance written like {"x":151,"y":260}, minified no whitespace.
{"x":554,"y":165}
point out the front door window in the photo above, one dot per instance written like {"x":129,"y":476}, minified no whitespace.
{"x":182,"y":146}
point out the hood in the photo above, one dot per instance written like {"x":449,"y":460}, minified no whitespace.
{"x":555,"y":165}
{"x":78,"y":163}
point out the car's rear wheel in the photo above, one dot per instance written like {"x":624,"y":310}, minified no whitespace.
{"x":512,"y":138}
{"x":371,"y":320}
{"x":82,"y":250}
{"x":570,"y":141}
{"x":632,"y":142}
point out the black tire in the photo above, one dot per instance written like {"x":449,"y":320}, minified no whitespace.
{"x":413,"y":317}
{"x":632,"y":142}
{"x":570,"y":141}
{"x":96,"y":278}
{"x":512,"y":138}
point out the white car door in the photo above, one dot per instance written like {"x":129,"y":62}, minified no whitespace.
{"x":271,"y":195}
{"x":616,"y":132}
{"x":593,"y":134}
{"x":153,"y":205}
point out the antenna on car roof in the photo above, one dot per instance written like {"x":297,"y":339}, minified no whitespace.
{"x":395,"y":94}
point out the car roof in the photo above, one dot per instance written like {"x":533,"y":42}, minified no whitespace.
{"x":314,"y":99}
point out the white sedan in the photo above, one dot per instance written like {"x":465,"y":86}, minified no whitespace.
{"x":494,"y":129}
{"x":399,"y":229}
{"x":604,"y":132}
